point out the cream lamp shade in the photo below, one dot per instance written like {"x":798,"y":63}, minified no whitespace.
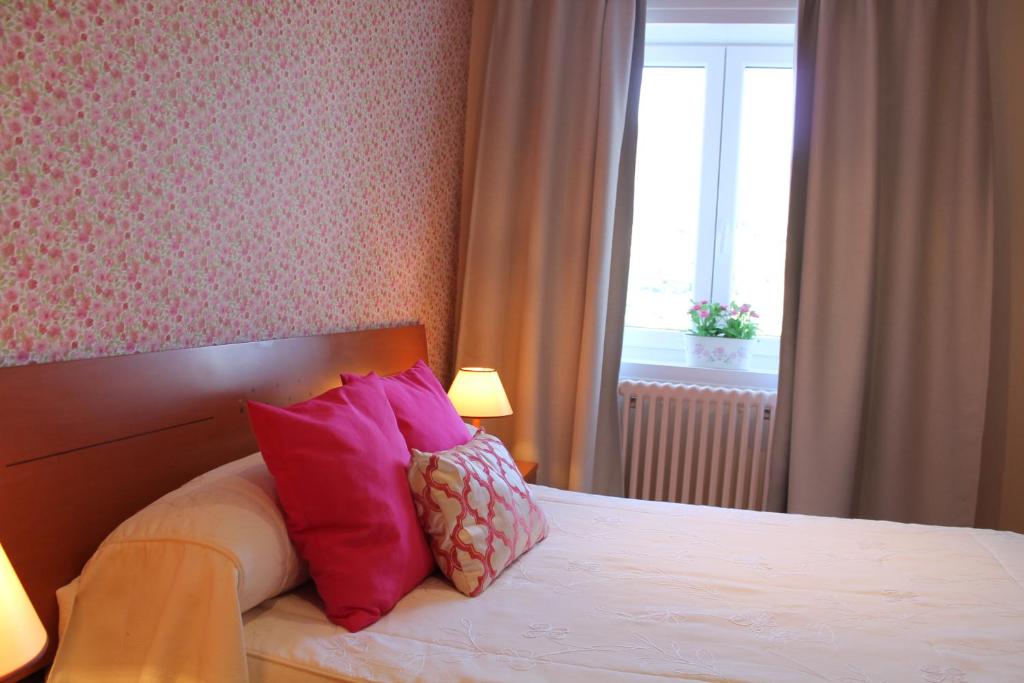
{"x":477,"y":393}
{"x":24,"y":637}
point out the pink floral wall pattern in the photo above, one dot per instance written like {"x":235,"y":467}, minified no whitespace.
{"x":193,"y":172}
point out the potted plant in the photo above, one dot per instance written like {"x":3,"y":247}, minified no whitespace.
{"x":722,"y":335}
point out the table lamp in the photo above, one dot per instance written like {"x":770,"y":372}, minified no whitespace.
{"x":478,"y":393}
{"x":24,"y":638}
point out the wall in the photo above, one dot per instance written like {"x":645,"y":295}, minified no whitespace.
{"x":1001,"y":489}
{"x":193,"y":172}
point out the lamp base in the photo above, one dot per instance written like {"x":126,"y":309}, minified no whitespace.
{"x":475,"y":421}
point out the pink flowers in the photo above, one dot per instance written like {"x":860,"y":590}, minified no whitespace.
{"x":720,"y":320}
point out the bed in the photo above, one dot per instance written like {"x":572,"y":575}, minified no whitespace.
{"x":638,"y":591}
{"x":629,"y":591}
{"x":620,"y":590}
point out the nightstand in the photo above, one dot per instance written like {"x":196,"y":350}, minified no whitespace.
{"x":528,"y":470}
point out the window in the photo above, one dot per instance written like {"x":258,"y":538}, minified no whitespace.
{"x":712,"y":194}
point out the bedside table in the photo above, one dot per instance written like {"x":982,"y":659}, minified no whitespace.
{"x":528,"y":470}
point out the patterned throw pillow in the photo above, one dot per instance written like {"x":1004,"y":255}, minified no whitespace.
{"x":476,"y":509}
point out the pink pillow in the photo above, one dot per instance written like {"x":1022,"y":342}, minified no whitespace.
{"x":339,"y":463}
{"x":426,"y":417}
{"x":476,"y":509}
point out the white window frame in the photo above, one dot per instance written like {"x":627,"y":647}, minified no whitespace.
{"x":712,"y":59}
{"x":762,"y":12}
{"x":737,"y":59}
{"x":658,"y":354}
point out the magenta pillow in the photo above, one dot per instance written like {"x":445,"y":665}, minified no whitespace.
{"x":339,"y":463}
{"x":426,"y":416}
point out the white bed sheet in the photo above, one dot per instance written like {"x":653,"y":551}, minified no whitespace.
{"x":628,"y":590}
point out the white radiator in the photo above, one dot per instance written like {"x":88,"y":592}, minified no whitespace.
{"x":696,"y":444}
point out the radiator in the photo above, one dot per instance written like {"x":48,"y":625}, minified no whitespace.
{"x":696,"y":444}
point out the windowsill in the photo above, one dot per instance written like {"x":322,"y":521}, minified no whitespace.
{"x":662,"y":371}
{"x":659,"y":356}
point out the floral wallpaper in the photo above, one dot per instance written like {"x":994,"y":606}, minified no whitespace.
{"x":191,"y":172}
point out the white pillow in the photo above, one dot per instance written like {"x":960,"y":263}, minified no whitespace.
{"x":232,"y":509}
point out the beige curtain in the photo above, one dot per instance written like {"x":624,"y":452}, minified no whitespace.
{"x":1000,"y":503}
{"x":547,"y":208}
{"x":889,"y":271}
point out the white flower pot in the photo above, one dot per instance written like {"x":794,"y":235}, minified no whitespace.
{"x":719,"y":352}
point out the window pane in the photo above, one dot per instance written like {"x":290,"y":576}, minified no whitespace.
{"x":762,"y":193}
{"x":666,"y":210}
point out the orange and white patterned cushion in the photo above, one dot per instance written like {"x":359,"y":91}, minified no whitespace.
{"x":476,"y":509}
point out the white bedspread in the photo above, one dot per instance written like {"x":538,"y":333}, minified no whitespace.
{"x":628,"y":590}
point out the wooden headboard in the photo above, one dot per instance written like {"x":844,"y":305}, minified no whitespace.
{"x":85,"y":444}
